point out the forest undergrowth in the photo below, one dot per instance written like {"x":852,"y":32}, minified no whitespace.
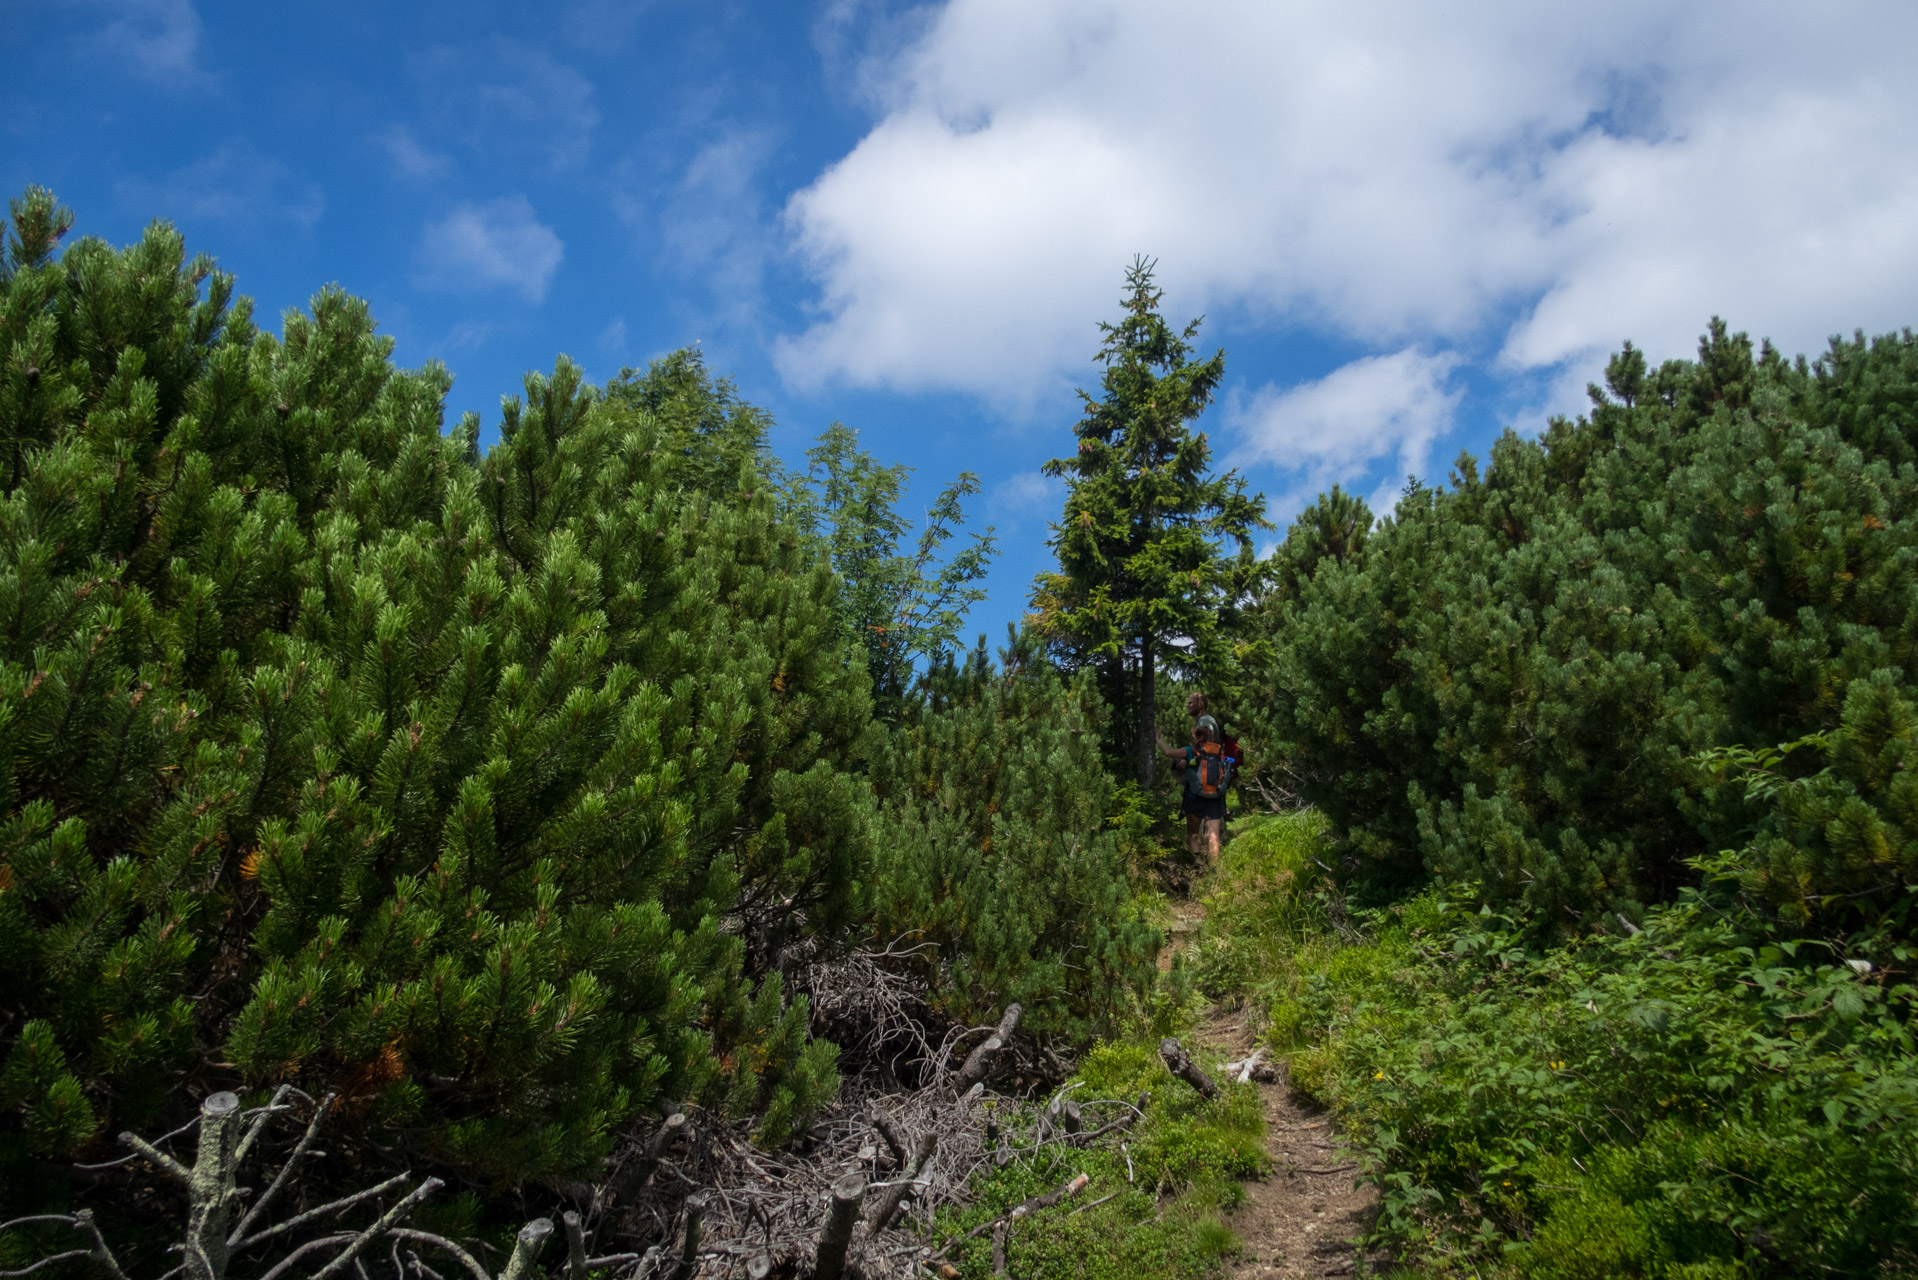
{"x":1698,"y":1097}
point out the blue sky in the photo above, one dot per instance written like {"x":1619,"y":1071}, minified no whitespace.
{"x":1409,"y":225}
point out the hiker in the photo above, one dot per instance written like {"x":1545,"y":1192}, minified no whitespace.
{"x":1207,"y":774}
{"x":1197,"y":707}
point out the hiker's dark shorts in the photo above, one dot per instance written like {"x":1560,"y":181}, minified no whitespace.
{"x":1204,"y":807}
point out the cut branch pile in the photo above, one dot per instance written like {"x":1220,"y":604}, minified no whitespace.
{"x":211,"y":1239}
{"x":862,"y":1200}
{"x":693,"y":1198}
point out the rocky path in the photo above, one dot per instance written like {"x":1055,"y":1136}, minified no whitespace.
{"x":1300,"y":1220}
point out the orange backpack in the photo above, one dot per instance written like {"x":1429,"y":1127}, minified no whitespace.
{"x":1215,"y":770}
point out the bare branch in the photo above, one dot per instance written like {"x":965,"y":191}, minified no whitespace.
{"x":311,"y":1246}
{"x":894,"y":1193}
{"x":526,"y":1246}
{"x":979,"y":1063}
{"x":47,"y":1262}
{"x":387,"y":1219}
{"x":101,"y":1253}
{"x":695,"y":1217}
{"x":80,"y":1220}
{"x":1092,"y":1204}
{"x":211,"y":1192}
{"x":260,"y":1116}
{"x":159,"y":1159}
{"x":1065,"y":1191}
{"x":1251,"y":1065}
{"x":895,"y":1140}
{"x":460,"y":1255}
{"x":640,"y":1167}
{"x":575,"y":1246}
{"x":344,"y":1202}
{"x":286,"y":1170}
{"x":842,"y":1215}
{"x":1180,"y":1064}
{"x":165,"y":1137}
{"x":1126,"y":1121}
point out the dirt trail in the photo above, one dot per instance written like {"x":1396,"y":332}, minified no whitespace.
{"x":1300,"y":1219}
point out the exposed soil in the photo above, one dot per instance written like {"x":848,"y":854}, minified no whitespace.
{"x":1302,"y":1218}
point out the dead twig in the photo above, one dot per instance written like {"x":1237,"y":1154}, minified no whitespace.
{"x":1069,"y":1188}
{"x":979,"y":1063}
{"x":1180,"y":1064}
{"x":237,"y":1240}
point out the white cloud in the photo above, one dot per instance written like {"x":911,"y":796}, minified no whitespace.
{"x":160,"y":39}
{"x":612,"y":339}
{"x":1025,"y":496}
{"x":858,"y":40}
{"x":499,"y":244}
{"x":510,"y":102}
{"x":970,"y":261}
{"x":1338,"y":429}
{"x":703,"y":215}
{"x":410,"y":157}
{"x":601,"y":26}
{"x":234,"y":184}
{"x":1796,"y":216}
{"x":1545,"y":179}
{"x":713,"y":219}
{"x":466,"y":336}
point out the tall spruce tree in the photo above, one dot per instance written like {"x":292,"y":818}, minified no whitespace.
{"x":1154,"y":550}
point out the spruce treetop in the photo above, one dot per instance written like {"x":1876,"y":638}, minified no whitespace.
{"x":1153,"y":546}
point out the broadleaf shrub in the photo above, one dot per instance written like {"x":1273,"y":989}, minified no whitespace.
{"x":1704,"y":1094}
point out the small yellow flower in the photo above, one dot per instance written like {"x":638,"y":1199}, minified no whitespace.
{"x":1378,"y":1075}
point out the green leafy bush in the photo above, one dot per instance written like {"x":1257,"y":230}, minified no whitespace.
{"x":1267,"y":911}
{"x":1278,"y":936}
{"x":1713,"y":1096}
{"x":1838,"y":847}
{"x":1695,"y":1096}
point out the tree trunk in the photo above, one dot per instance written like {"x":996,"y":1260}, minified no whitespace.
{"x":210,"y":1192}
{"x":1148,"y":712}
{"x":979,"y":1061}
{"x":1180,"y":1064}
{"x":847,"y":1195}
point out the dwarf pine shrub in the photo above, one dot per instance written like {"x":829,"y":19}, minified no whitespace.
{"x":478,"y":788}
{"x":1508,"y":680}
{"x":992,"y":844}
